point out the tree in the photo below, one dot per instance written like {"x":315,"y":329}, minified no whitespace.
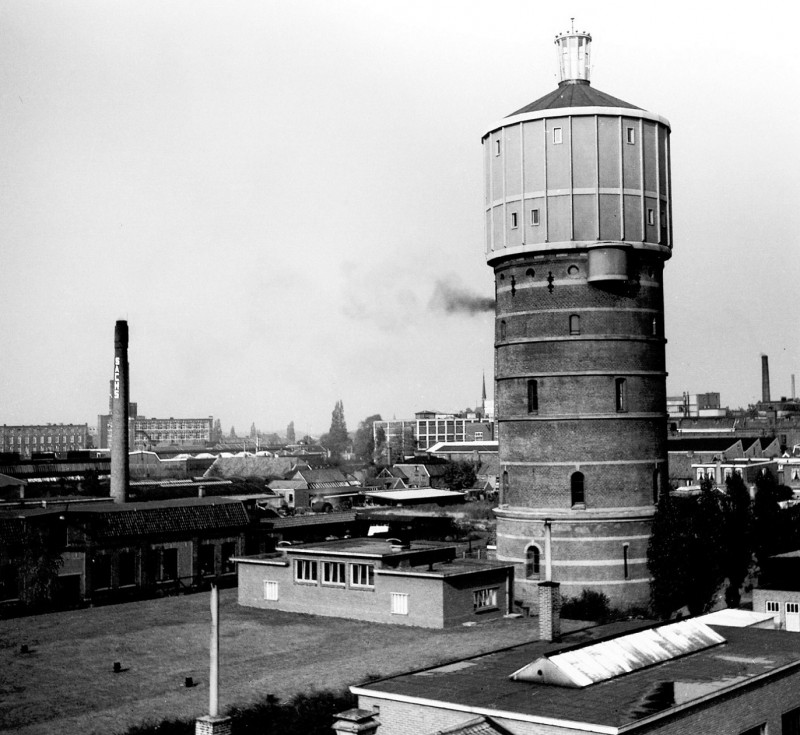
{"x":379,"y":452}
{"x":768,"y":531}
{"x":686,"y":551}
{"x":738,"y":537}
{"x":459,"y":475}
{"x":364,"y":439}
{"x":253,"y":431}
{"x":336,"y":439}
{"x":290,"y":435}
{"x":216,"y":431}
{"x":232,"y":435}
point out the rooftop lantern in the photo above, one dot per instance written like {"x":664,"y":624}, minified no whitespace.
{"x":573,"y":49}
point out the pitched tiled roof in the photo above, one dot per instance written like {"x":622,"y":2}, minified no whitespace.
{"x":574,"y":95}
{"x":166,"y":516}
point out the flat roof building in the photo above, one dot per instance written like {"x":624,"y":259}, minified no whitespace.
{"x":381,"y":580}
{"x":676,"y":678}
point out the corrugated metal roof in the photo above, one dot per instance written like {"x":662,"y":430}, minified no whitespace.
{"x":608,"y":659}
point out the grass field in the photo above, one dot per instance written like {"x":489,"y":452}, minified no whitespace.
{"x":66,"y":683}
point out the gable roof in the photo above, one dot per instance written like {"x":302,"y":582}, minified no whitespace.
{"x":580,"y":667}
{"x":115,"y":520}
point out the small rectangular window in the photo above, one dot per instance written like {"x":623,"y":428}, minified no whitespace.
{"x":485,"y":599}
{"x":399,"y":603}
{"x":362,"y":575}
{"x":533,"y":396}
{"x":270,"y":590}
{"x":790,"y":722}
{"x":497,"y":147}
{"x":625,"y":571}
{"x":621,"y":397}
{"x":793,"y":608}
{"x":513,"y":220}
{"x":305,"y":570}
{"x":651,"y":217}
{"x":227,"y":552}
{"x":205,"y":559}
{"x":557,"y":138}
{"x":534,"y":217}
{"x":631,"y":136}
{"x":127,"y":568}
{"x":333,"y":572}
{"x":168,"y":570}
{"x":478,"y":436}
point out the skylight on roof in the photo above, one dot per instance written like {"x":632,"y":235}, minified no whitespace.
{"x":606,"y":660}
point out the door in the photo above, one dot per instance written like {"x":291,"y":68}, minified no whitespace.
{"x":793,"y":616}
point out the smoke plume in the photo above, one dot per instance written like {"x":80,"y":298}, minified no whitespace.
{"x":456,"y":300}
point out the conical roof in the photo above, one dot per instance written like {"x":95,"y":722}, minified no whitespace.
{"x":574,"y":94}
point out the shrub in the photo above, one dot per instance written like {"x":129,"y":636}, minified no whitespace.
{"x":591,"y":605}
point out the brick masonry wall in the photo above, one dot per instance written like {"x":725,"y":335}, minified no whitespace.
{"x":586,"y":554}
{"x":432,"y":602}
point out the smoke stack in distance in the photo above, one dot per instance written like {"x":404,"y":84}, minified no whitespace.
{"x":765,"y":379}
{"x":120,"y":388}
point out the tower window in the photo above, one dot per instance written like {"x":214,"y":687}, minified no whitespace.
{"x":530,"y":273}
{"x":503,"y":329}
{"x":620,"y":394}
{"x":557,"y":137}
{"x":533,"y":563}
{"x":625,"y":570}
{"x":497,"y":147}
{"x":574,"y":324}
{"x":655,"y":327}
{"x":514,"y":220}
{"x":534,"y":216}
{"x":656,"y":485}
{"x":533,"y":396}
{"x":631,"y":136}
{"x":651,"y":217}
{"x":576,"y":487}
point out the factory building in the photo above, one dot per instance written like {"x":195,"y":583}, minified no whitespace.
{"x":578,"y":228}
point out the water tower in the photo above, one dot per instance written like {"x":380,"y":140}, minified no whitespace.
{"x":578,"y":227}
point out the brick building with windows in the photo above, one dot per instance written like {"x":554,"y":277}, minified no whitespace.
{"x":113,"y":551}
{"x":27,"y":440}
{"x":377,"y":580}
{"x":578,"y":228}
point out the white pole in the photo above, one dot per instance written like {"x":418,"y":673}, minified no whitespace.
{"x":213,"y":681}
{"x":548,"y":566}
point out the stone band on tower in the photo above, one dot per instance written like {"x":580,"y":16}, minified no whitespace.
{"x":578,"y":227}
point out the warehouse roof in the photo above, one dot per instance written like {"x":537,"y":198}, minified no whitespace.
{"x":481,"y":685}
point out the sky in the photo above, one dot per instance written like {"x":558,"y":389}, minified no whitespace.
{"x":276,"y":195}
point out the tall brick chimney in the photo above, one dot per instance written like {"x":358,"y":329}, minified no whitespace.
{"x":765,"y":379}
{"x":120,"y":388}
{"x":549,"y":594}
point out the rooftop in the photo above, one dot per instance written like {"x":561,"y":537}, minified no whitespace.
{"x":483,"y":683}
{"x":372,"y":547}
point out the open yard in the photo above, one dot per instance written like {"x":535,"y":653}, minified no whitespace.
{"x":66,"y":684}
